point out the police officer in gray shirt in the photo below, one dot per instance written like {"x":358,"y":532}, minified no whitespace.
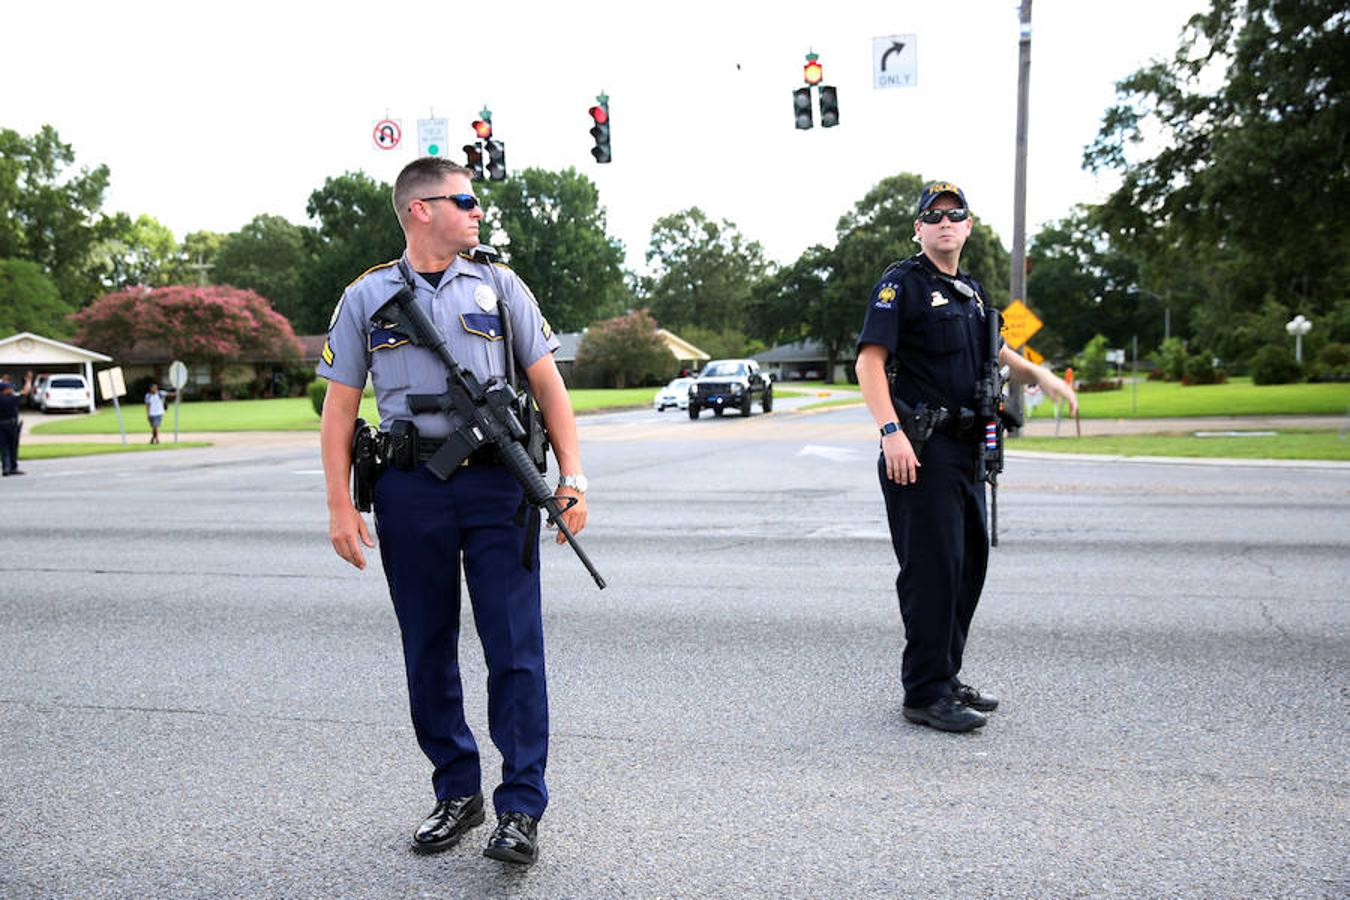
{"x":426,"y":525}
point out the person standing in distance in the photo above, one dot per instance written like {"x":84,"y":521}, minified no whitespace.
{"x":922,"y":342}
{"x":9,"y":427}
{"x":426,"y":524}
{"x":154,"y":411}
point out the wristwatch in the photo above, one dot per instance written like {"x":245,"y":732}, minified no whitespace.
{"x":890,"y":428}
{"x":577,"y":483}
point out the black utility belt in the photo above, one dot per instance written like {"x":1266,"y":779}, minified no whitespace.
{"x":427,"y":447}
{"x":961,"y":424}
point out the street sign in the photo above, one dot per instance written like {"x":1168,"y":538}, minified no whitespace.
{"x":1019,"y":324}
{"x":110,"y":383}
{"x":433,"y":137}
{"x":895,"y":61}
{"x":1030,"y":354}
{"x":388,"y":133}
{"x":177,"y":375}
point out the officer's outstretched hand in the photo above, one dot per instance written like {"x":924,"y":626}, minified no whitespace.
{"x":902,"y":466}
{"x":347,"y":530}
{"x":574,"y":518}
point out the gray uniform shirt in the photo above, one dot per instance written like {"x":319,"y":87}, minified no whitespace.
{"x":464,"y":307}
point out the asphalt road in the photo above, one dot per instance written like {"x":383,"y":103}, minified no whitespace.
{"x":198,"y":699}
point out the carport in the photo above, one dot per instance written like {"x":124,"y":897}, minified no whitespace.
{"x":25,"y":350}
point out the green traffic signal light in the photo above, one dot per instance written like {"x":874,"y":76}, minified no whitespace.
{"x":829,"y":106}
{"x":801,"y":104}
{"x":496,"y":160}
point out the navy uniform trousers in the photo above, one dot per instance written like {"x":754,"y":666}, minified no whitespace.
{"x":938,"y":532}
{"x":424,"y":525}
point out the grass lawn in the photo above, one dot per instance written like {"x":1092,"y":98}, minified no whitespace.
{"x":285,"y":414}
{"x":1283,"y":445}
{"x":53,"y":451}
{"x":1239,"y":397}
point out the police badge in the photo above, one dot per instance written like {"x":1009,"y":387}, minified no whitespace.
{"x":485,"y":298}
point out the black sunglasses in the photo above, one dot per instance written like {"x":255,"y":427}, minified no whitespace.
{"x":934,"y":216}
{"x":465,"y":202}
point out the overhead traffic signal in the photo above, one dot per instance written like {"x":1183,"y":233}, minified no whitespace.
{"x":473,"y":156}
{"x":829,"y":106}
{"x":600,"y":130}
{"x":813,"y":71}
{"x":482,"y":128}
{"x":496,"y":160}
{"x":801,"y":103}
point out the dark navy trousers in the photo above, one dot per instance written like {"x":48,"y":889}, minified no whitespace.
{"x":938,"y":532}
{"x":425,"y":527}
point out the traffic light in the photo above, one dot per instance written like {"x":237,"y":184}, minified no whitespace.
{"x":482,"y":128}
{"x":496,"y":160}
{"x":473,"y":156}
{"x":829,"y":106}
{"x":600,"y":130}
{"x":801,"y":102}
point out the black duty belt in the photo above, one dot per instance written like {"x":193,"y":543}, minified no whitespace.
{"x":961,"y":425}
{"x":427,"y":447}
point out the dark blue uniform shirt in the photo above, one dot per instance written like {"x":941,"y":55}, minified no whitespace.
{"x":934,"y":337}
{"x":9,"y":407}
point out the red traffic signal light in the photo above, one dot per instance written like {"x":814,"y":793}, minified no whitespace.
{"x":813,"y":71}
{"x":600,"y":131}
{"x":482,"y":128}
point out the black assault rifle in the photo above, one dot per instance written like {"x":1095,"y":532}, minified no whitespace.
{"x":992,"y":408}
{"x":490,"y":419}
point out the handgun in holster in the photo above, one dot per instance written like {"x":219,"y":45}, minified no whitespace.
{"x":365,"y":465}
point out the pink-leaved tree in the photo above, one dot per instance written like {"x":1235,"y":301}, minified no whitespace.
{"x":214,"y":325}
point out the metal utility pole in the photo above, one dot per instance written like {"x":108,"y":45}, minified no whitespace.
{"x":1018,"y":281}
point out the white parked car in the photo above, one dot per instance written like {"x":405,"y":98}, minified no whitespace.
{"x":675,"y":394}
{"x":64,"y":392}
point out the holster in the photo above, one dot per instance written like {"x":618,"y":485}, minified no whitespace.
{"x":367,"y":464}
{"x":919,"y":423}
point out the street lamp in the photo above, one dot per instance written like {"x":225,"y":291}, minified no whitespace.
{"x":1298,"y":326}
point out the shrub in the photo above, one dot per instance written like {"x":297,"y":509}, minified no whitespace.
{"x":1200,"y":369}
{"x":1091,"y":364}
{"x":1274,"y":365}
{"x":1332,"y":364}
{"x":1171,"y":359}
{"x":317,"y":390}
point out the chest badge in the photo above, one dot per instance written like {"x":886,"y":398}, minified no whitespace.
{"x":485,"y":298}
{"x":939,"y":300}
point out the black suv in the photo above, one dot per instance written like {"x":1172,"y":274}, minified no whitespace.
{"x":730,"y":384}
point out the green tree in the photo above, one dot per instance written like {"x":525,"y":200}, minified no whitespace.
{"x":809,"y":300}
{"x":702,"y":271}
{"x":269,"y":255}
{"x":624,"y":351}
{"x":132,"y":252}
{"x":50,"y":213}
{"x":199,"y":248}
{"x":557,"y":243}
{"x":1091,"y":364}
{"x":29,"y":301}
{"x":1080,"y":285}
{"x":357,"y":229}
{"x":1244,"y":185}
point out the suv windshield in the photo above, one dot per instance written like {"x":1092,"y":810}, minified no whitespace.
{"x":67,"y":383}
{"x":723,"y":369}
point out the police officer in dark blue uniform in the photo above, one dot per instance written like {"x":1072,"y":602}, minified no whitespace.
{"x":426,"y":525}
{"x":920,"y":349}
{"x":9,"y":427}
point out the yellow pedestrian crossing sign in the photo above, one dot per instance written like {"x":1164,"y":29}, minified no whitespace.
{"x":1019,"y":324}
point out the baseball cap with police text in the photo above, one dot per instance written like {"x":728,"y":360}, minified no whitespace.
{"x":935,"y":189}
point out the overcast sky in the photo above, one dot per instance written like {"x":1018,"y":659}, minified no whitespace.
{"x":211,"y":113}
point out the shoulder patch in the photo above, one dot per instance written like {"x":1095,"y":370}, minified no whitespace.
{"x":375,"y":268}
{"x":546,"y":328}
{"x":327,"y":353}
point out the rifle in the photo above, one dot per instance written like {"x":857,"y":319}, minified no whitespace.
{"x":992,"y":408}
{"x":490,"y":419}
